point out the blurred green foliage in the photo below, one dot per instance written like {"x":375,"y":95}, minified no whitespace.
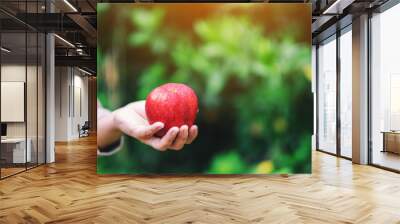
{"x":254,"y":90}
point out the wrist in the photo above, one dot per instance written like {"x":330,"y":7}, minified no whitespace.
{"x":108,"y":133}
{"x":115,"y":127}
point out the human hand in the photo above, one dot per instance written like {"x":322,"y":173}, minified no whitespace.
{"x":132,"y":120}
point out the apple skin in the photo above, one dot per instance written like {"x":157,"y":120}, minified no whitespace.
{"x":173,"y":104}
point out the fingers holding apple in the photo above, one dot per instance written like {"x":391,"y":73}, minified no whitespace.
{"x":151,"y":125}
{"x":176,"y":106}
{"x":193,"y":132}
{"x":174,"y":139}
{"x":181,"y":138}
{"x":167,"y":140}
{"x":147,"y":131}
{"x":185,"y":136}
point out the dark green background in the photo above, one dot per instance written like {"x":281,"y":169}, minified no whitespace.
{"x":250,"y":65}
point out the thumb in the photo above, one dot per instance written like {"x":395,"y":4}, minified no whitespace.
{"x":147,"y":131}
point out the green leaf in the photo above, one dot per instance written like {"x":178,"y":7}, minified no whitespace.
{"x":102,"y":7}
{"x":228,"y":162}
{"x":150,"y":79}
{"x":139,"y":38}
{"x":147,"y":19}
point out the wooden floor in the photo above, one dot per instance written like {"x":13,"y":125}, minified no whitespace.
{"x":387,"y":159}
{"x":10,"y":171}
{"x":70,"y":191}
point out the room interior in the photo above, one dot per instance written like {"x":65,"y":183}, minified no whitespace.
{"x":335,"y":73}
{"x":385,"y":106}
{"x":22,"y":102}
{"x":25,"y":101}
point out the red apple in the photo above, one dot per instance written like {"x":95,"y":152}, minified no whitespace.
{"x":173,"y":104}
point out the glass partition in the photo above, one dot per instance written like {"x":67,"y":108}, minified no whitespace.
{"x":14,"y":155}
{"x":22,"y":107}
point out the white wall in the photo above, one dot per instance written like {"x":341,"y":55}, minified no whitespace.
{"x":80,"y":100}
{"x":71,"y":94}
{"x":12,"y":73}
{"x":61,"y":103}
{"x":33,"y":127}
{"x":13,"y":101}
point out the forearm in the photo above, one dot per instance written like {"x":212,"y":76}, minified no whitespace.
{"x":107,"y":132}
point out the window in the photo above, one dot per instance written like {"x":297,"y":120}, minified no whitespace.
{"x":327,"y":96}
{"x":346,"y":93}
{"x":385,"y":89}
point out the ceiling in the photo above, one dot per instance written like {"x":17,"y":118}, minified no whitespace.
{"x":75,"y":21}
